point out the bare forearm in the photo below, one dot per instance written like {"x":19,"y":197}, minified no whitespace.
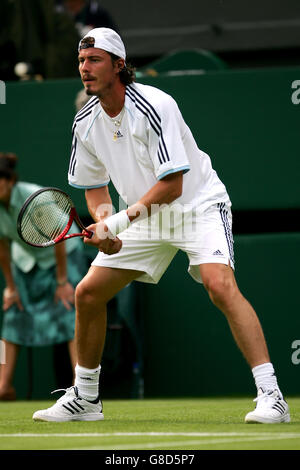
{"x":61,"y":263}
{"x":106,"y":231}
{"x":99,"y":203}
{"x":5,"y":264}
{"x":163,"y":192}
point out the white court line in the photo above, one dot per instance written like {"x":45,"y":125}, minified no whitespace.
{"x":222,"y":438}
{"x":166,"y":444}
{"x":270,"y":435}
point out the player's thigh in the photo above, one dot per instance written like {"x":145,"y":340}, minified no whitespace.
{"x":209,"y":243}
{"x":103,"y":283}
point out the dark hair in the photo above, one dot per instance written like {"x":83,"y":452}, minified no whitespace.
{"x":127,"y":73}
{"x":8,"y":162}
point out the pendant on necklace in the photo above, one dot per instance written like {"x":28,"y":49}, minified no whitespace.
{"x":115,"y":136}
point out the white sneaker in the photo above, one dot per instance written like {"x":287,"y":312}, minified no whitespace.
{"x":71,"y":407}
{"x":270,"y":408}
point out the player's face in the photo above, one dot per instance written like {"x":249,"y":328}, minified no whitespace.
{"x":98,"y":73}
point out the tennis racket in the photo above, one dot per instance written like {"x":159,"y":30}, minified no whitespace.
{"x":46,"y":218}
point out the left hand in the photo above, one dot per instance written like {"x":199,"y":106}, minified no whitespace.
{"x":65,"y":294}
{"x":10,"y":297}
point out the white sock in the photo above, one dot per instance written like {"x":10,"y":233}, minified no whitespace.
{"x":87,"y":382}
{"x":265,"y":378}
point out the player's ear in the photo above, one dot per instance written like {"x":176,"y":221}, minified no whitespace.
{"x":120,"y":64}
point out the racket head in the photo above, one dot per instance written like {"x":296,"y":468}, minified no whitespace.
{"x":44,"y":216}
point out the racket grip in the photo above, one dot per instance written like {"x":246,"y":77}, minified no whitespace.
{"x":88,"y":233}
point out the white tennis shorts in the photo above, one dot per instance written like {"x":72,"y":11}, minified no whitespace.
{"x":151,"y":244}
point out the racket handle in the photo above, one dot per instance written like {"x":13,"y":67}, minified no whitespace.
{"x":88,"y":233}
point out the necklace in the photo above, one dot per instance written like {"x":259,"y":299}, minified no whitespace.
{"x":117,"y":123}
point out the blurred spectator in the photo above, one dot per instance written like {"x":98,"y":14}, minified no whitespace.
{"x":87,"y":14}
{"x":81,"y":99}
{"x":33,"y":32}
{"x":38,"y":298}
{"x":8,"y":43}
{"x":42,"y":36}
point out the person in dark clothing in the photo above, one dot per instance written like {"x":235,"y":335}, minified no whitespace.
{"x":36,"y":34}
{"x":87,"y":14}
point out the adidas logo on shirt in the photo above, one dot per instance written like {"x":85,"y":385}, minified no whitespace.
{"x":117,"y":135}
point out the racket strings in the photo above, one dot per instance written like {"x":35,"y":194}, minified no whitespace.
{"x":45,"y":217}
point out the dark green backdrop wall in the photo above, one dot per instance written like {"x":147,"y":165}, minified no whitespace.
{"x":249,"y":124}
{"x":245,"y":120}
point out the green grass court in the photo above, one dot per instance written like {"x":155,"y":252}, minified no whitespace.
{"x":160,"y":424}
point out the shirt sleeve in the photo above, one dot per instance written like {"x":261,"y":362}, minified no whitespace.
{"x":166,"y":146}
{"x":86,"y":171}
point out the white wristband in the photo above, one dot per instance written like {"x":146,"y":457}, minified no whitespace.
{"x":117,"y":223}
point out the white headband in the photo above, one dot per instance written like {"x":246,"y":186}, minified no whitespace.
{"x":106,"y":39}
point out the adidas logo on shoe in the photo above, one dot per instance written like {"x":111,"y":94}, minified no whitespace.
{"x":71,"y":407}
{"x":270,"y":408}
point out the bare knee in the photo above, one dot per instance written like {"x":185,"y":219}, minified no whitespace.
{"x":89,"y":295}
{"x":221,"y":286}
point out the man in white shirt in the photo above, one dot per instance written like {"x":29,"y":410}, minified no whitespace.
{"x":135,"y":135}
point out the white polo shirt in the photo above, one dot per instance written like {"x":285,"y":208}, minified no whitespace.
{"x":145,"y":142}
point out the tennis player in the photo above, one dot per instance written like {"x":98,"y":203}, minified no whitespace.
{"x":135,"y":136}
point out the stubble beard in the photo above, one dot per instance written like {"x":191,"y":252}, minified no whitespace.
{"x":100,"y":93}
{"x":89,"y":92}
